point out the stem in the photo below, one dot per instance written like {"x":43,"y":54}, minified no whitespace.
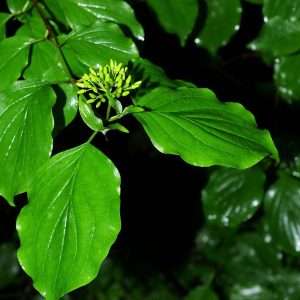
{"x":92,"y":136}
{"x":53,"y":38}
{"x":108,"y":112}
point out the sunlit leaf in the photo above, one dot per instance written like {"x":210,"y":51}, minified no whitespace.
{"x":232,"y":196}
{"x":86,"y":12}
{"x":194,"y":124}
{"x":222,"y":21}
{"x":96,"y":45}
{"x":176,"y":16}
{"x":26,"y":124}
{"x":15,"y":5}
{"x":71,"y":220}
{"x":4,"y":17}
{"x":282,"y":206}
{"x":88,"y":115}
{"x":14,"y":53}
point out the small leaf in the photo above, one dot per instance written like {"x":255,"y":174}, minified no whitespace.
{"x":176,"y":16}
{"x":89,"y":117}
{"x":14,"y":58}
{"x":231,"y":196}
{"x":202,"y":293}
{"x":26,"y":124}
{"x":118,"y":126}
{"x":86,"y":12}
{"x":203,"y":131}
{"x":287,"y":77}
{"x":96,"y":45}
{"x":223,"y":20}
{"x":282,"y":206}
{"x":71,"y":221}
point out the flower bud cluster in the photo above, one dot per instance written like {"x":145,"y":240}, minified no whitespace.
{"x":104,"y":83}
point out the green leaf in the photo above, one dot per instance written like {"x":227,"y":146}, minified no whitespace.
{"x":88,"y":116}
{"x":4,"y":17}
{"x":255,"y":1}
{"x":282,"y":206}
{"x":86,"y":12}
{"x":231,"y":196}
{"x":34,"y":27}
{"x":278,"y":37}
{"x":194,"y":124}
{"x":97,"y":44}
{"x":281,"y":31}
{"x":46,"y":65}
{"x":153,"y":76}
{"x":223,"y":19}
{"x":71,"y":221}
{"x":15,"y":5}
{"x":176,"y":16}
{"x":252,"y":292}
{"x":14,"y":58}
{"x":9,"y":265}
{"x":202,"y":293}
{"x":287,"y":77}
{"x":26,"y":124}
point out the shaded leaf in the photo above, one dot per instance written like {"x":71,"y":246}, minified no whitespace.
{"x":14,"y":58}
{"x":86,"y":12}
{"x":252,"y":292}
{"x":222,"y":21}
{"x":176,"y":16}
{"x":71,"y":220}
{"x":282,"y":206}
{"x":203,"y":131}
{"x":26,"y":124}
{"x":96,"y":45}
{"x":232,"y":196}
{"x":9,"y":265}
{"x":287,"y":77}
{"x":202,"y":293}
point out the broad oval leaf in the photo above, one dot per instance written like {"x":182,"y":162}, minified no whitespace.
{"x":86,"y":12}
{"x":194,"y":124}
{"x":14,"y":53}
{"x":26,"y":124}
{"x":287,"y":77}
{"x":176,"y":16}
{"x":282,"y":206}
{"x":231,"y":196}
{"x":223,"y":20}
{"x":96,"y":45}
{"x":71,"y":221}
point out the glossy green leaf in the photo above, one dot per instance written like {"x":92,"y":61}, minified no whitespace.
{"x":282,"y":206}
{"x":4,"y":17}
{"x":231,"y":196}
{"x":96,"y":45}
{"x":34,"y":27}
{"x":14,"y":53}
{"x":281,"y":31}
{"x":15,"y":5}
{"x":287,"y":77}
{"x":88,"y":116}
{"x":8,"y":264}
{"x":86,"y":12}
{"x":252,"y":292}
{"x":222,"y":21}
{"x":26,"y":124}
{"x":194,"y":124}
{"x":46,"y":65}
{"x":71,"y":221}
{"x":202,"y":293}
{"x":176,"y":16}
